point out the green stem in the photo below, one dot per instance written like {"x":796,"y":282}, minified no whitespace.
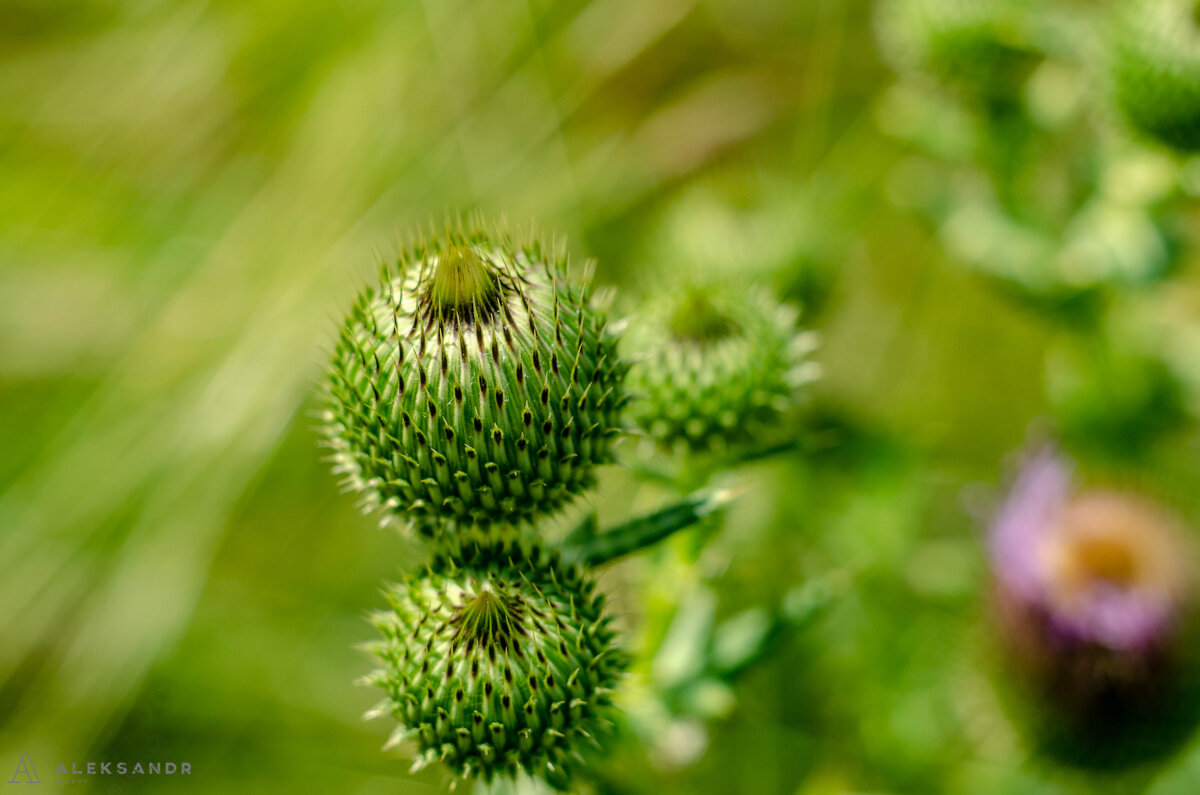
{"x":585,"y":545}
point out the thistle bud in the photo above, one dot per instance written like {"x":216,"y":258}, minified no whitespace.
{"x":1094,"y":599}
{"x":499,"y":660}
{"x":718,"y":366}
{"x":979,"y":48}
{"x":1155,"y":62}
{"x":474,"y":384}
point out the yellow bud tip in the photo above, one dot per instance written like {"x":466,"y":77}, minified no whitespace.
{"x":489,"y":617}
{"x":462,"y":283}
{"x":697,"y":319}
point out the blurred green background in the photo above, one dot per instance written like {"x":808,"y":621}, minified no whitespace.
{"x":191,"y":193}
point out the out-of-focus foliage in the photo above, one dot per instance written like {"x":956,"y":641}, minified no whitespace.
{"x":191,"y":191}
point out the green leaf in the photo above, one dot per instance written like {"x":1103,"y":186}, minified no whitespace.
{"x":586,"y":546}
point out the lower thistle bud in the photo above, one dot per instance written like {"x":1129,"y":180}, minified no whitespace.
{"x":718,"y":366}
{"x":1095,"y":604}
{"x":498,"y":661}
{"x":1155,"y":62}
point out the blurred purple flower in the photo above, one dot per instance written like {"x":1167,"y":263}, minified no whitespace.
{"x":1085,"y":568}
{"x":1093,"y":599}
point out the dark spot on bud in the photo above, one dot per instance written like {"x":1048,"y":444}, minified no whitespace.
{"x":520,"y":374}
{"x":497,"y":435}
{"x":500,"y":399}
{"x":432,"y":410}
{"x":478,"y":425}
{"x":547,"y":426}
{"x":527,"y":417}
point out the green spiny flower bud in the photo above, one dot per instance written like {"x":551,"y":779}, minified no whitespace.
{"x":977,"y":47}
{"x":498,"y":660}
{"x":1155,"y":51}
{"x":474,"y":385}
{"x":719,"y":366}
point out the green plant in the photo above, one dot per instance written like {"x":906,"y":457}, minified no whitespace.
{"x":473,"y":394}
{"x":1155,"y":65}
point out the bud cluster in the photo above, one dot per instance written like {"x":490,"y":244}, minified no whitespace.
{"x":471,"y":393}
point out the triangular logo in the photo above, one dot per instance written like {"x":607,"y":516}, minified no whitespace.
{"x":26,"y":769}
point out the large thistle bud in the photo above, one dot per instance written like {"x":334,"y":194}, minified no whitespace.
{"x":1156,"y":69}
{"x":1096,"y":604}
{"x":475,"y":384}
{"x":979,"y":48}
{"x":718,"y":366}
{"x":498,"y":660}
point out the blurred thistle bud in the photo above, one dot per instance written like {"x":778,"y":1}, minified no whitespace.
{"x":718,"y":365}
{"x":980,"y":49}
{"x":474,"y":385}
{"x":1155,"y":63}
{"x":1110,"y":397}
{"x":1095,"y":599}
{"x":499,"y":660}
